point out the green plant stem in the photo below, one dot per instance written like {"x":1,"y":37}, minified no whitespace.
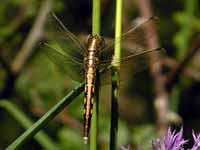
{"x":37,"y":126}
{"x":96,"y":16}
{"x":116,"y":79}
{"x":94,"y":121}
{"x":42,"y":138}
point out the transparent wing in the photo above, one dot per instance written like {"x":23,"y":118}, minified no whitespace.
{"x":133,"y":52}
{"x":134,"y":40}
{"x":130,"y":65}
{"x":66,"y":63}
{"x":64,"y":49}
{"x":57,"y":32}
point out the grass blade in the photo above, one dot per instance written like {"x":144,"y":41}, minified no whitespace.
{"x":37,"y":126}
{"x":42,"y":138}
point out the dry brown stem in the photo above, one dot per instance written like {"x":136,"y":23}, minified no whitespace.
{"x":26,"y":50}
{"x":33,"y":37}
{"x":161,"y":96}
{"x":173,"y":77}
{"x":172,"y":63}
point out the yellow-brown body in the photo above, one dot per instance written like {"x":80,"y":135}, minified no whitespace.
{"x":91,"y":61}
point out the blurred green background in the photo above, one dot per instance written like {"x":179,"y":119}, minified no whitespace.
{"x":32,"y":82}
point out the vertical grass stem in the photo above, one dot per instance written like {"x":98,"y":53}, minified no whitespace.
{"x":94,"y":120}
{"x":115,"y":78}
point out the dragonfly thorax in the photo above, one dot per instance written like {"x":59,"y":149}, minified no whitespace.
{"x":95,"y":43}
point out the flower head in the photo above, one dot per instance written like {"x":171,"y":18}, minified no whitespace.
{"x":196,"y":138}
{"x":172,"y":141}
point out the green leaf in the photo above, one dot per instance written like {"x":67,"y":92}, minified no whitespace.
{"x":42,"y":138}
{"x":36,"y":127}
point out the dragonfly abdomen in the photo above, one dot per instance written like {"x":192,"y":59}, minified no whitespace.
{"x":89,"y":99}
{"x":90,"y":78}
{"x":91,"y":62}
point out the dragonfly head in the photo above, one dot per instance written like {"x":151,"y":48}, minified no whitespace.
{"x":95,"y":42}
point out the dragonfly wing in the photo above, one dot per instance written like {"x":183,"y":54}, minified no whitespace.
{"x":134,"y":40}
{"x":70,"y":44}
{"x":129,"y":65}
{"x":133,"y":51}
{"x":66,"y":64}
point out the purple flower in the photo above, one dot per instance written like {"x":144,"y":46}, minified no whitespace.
{"x":196,"y":138}
{"x":172,"y":141}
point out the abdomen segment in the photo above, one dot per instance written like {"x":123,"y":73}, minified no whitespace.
{"x":88,"y":102}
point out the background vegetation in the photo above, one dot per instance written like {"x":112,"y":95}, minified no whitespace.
{"x":165,"y":94}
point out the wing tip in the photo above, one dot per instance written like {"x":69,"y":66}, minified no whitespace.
{"x":52,"y":13}
{"x":154,"y":18}
{"x":162,"y":49}
{"x":43,"y":43}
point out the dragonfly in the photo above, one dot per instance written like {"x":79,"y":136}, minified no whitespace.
{"x":91,"y":62}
